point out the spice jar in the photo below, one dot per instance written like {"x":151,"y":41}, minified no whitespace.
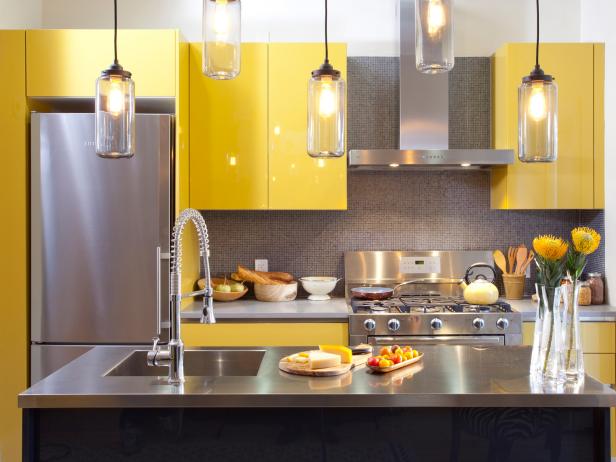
{"x":596,"y":288}
{"x":585,"y":296}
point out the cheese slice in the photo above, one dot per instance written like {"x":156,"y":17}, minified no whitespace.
{"x":322,"y":360}
{"x":345,"y":353}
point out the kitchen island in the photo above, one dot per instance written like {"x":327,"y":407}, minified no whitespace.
{"x":458,"y":403}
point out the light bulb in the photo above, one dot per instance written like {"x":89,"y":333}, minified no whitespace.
{"x":115,"y":99}
{"x":436,"y":17}
{"x":221,"y":21}
{"x":537,"y":105}
{"x":327,"y":100}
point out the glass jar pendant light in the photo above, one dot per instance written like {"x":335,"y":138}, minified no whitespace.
{"x":326,"y":109}
{"x":115,"y":107}
{"x":538,"y":114}
{"x":222,"y":22}
{"x":434,"y":36}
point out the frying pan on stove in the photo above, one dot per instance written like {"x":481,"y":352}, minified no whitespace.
{"x":372,"y":293}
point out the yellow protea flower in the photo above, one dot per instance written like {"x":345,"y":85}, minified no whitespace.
{"x":585,"y":240}
{"x":550,"y":247}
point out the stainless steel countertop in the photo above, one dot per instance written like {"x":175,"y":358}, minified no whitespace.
{"x":448,"y":376}
{"x":334,"y":310}
{"x":592,"y":313}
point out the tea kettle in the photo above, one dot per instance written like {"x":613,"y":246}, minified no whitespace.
{"x":481,"y":290}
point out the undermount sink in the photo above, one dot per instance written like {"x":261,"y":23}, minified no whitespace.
{"x":213,"y":363}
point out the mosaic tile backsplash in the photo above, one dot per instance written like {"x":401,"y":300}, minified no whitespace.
{"x":393,"y":210}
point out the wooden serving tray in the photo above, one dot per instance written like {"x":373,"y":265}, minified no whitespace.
{"x":395,"y":367}
{"x":303,"y":369}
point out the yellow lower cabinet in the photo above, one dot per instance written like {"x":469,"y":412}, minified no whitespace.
{"x":228,"y":134}
{"x":573,"y":181}
{"x":601,"y":366}
{"x":296,"y":180}
{"x":265,"y":334}
{"x":597,"y":337}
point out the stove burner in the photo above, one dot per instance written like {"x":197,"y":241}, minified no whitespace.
{"x":425,"y":309}
{"x":477,"y":308}
{"x":378,"y":307}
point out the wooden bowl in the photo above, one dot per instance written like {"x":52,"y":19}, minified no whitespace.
{"x":276,"y":292}
{"x":222,"y":296}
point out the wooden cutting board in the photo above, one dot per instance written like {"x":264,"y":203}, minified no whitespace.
{"x":303,"y":369}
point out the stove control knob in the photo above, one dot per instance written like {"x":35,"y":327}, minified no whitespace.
{"x":502,"y":323}
{"x":478,"y":323}
{"x":393,"y":324}
{"x":369,"y":325}
{"x":436,"y":324}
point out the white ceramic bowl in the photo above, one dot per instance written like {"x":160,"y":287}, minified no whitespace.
{"x":319,"y":286}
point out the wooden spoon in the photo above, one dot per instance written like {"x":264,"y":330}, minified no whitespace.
{"x":520,"y":258}
{"x":500,"y":261}
{"x":511,"y":258}
{"x":531,"y":256}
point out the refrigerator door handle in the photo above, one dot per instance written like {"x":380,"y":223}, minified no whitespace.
{"x":158,"y":297}
{"x":160,"y":257}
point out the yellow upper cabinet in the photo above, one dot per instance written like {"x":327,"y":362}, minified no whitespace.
{"x":248,"y":135}
{"x":66,"y":63}
{"x":228,"y":134}
{"x":297,"y":181}
{"x":575,"y":180}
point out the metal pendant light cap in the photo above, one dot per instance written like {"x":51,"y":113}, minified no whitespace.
{"x":116,"y":70}
{"x":537,"y":75}
{"x":326,"y":69}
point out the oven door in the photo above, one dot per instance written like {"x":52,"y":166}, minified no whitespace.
{"x":476,"y":340}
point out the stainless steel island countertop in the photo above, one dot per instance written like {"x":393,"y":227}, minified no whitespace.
{"x":448,"y":376}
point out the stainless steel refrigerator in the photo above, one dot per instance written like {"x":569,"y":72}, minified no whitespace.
{"x":99,"y":238}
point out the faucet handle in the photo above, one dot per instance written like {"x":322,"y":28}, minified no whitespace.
{"x":151,"y":355}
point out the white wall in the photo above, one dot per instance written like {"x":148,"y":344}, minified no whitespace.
{"x":598,"y":25}
{"x":20,"y":14}
{"x":369,"y":26}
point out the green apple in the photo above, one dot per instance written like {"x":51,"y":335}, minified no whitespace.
{"x":223,"y":288}
{"x":237,"y":287}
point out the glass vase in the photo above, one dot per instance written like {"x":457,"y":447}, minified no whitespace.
{"x":550,"y":348}
{"x":535,"y":361}
{"x":573,"y":357}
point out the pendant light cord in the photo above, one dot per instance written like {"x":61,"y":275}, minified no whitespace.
{"x":115,"y":31}
{"x":326,"y":44}
{"x":537,"y":47}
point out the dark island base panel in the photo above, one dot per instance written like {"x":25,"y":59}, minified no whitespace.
{"x":323,"y":435}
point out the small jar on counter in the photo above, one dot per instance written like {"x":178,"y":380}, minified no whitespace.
{"x":597,"y":291}
{"x":585,"y":295}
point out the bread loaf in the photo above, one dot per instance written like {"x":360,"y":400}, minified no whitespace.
{"x":248,"y":275}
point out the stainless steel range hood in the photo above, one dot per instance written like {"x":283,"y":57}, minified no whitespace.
{"x":424,"y":119}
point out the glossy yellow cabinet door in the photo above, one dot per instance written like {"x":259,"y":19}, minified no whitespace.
{"x":14,"y":341}
{"x":572,"y":181}
{"x":297,"y":181}
{"x":228,"y":134}
{"x":66,"y":63}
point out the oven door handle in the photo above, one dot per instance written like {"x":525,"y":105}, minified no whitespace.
{"x":439,"y":340}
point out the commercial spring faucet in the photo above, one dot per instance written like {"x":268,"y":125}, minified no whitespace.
{"x":173,"y":355}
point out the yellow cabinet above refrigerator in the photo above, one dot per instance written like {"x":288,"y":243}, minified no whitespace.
{"x":67,"y":62}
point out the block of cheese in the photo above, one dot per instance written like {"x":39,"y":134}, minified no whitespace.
{"x":322,"y":360}
{"x":345,"y":353}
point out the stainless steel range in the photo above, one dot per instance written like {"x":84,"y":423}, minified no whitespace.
{"x":426,"y":305}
